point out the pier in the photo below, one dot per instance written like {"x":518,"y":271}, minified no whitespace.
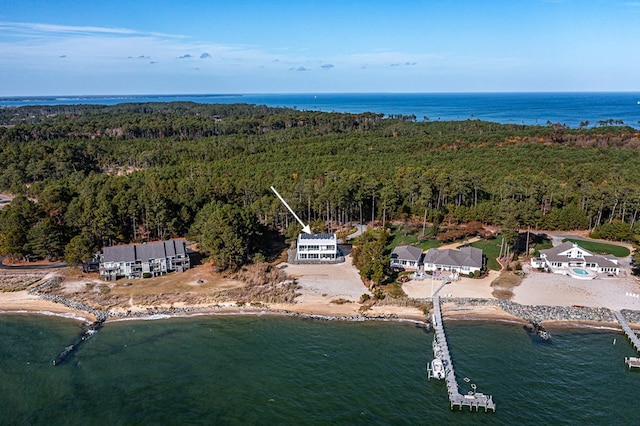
{"x":633,"y":337}
{"x":472,"y":400}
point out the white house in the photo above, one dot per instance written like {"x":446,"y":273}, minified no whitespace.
{"x":135,"y":260}
{"x":406,"y":258}
{"x":569,"y":258}
{"x":463,"y":261}
{"x":318,"y":248}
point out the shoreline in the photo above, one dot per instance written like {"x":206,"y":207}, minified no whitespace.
{"x":489,"y":311}
{"x":334,"y":292}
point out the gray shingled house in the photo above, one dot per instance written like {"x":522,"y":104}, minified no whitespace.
{"x":136,"y":260}
{"x":464,"y":260}
{"x":406,"y":258}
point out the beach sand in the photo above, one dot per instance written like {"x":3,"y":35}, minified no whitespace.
{"x":335,"y":290}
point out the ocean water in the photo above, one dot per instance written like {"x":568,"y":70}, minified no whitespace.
{"x":515,"y":108}
{"x":245,"y":370}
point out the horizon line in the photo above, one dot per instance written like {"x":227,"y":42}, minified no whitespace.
{"x":239,"y":94}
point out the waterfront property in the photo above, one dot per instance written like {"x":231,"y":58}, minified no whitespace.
{"x":462,"y":261}
{"x":407,"y":258}
{"x":570,"y":259}
{"x":141,"y":260}
{"x":317,"y":248}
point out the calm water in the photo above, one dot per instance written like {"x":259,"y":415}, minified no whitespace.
{"x":274,"y":370}
{"x":517,"y":108}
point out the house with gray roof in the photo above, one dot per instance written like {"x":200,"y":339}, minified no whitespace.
{"x":569,"y":258}
{"x":138,"y":260}
{"x":462,"y":261}
{"x":406,"y":258}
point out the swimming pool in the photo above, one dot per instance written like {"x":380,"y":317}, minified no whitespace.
{"x":581,"y":274}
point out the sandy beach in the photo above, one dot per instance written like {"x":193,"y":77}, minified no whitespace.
{"x":335,"y":290}
{"x":23,"y":302}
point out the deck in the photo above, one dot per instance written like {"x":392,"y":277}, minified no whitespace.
{"x":474,"y":400}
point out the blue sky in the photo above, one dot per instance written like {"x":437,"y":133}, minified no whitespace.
{"x":99,"y":47}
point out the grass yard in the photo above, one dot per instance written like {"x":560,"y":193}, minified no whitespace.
{"x":601,"y":248}
{"x":401,"y":237}
{"x":543,"y":245}
{"x":491,"y":249}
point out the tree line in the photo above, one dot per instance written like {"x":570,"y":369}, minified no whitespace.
{"x":142,"y":172}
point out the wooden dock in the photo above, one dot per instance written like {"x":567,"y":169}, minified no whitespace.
{"x":474,"y":399}
{"x":633,"y":337}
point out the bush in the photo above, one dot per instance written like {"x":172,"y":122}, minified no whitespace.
{"x":518,"y":266}
{"x":146,"y":275}
{"x":365,"y":297}
{"x":471,"y":274}
{"x":379,"y":294}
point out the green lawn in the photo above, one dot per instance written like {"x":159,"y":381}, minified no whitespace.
{"x":601,"y":248}
{"x":543,"y":245}
{"x":491,"y":249}
{"x":410,"y":238}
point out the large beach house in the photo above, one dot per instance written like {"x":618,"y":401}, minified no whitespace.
{"x":462,"y":261}
{"x":140,"y":260}
{"x":317,"y":248}
{"x":569,"y":258}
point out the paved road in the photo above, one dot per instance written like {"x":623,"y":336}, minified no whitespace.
{"x":4,"y":201}
{"x":360,"y":230}
{"x":31,"y":267}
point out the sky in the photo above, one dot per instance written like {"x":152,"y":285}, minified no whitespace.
{"x":119,"y":47}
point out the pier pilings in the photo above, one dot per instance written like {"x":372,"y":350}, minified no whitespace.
{"x":456,"y":399}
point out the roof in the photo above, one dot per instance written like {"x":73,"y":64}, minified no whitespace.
{"x":304,"y":236}
{"x":407,"y":253}
{"x":555,"y":251}
{"x":466,"y":256}
{"x":602,"y":262}
{"x":554,"y":254}
{"x":144,"y":252}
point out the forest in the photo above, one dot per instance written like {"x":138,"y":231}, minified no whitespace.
{"x":86,"y":176}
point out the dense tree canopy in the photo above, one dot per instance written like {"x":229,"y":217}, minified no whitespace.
{"x":142,"y":172}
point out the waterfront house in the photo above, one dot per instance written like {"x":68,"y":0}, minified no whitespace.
{"x":144,"y":260}
{"x":566,"y":257}
{"x":317,"y":248}
{"x":462,"y":261}
{"x":406,"y":258}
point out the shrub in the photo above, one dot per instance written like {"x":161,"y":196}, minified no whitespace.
{"x":518,"y":266}
{"x":379,"y":294}
{"x":471,"y":274}
{"x":146,"y":275}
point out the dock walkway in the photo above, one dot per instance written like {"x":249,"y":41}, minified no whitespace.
{"x":474,"y":400}
{"x":633,"y":337}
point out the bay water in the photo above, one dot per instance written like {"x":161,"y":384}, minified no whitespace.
{"x":283,"y":370}
{"x":570,"y":109}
